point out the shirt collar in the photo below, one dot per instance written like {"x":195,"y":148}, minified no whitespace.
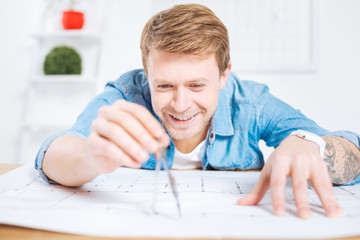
{"x":221,"y":123}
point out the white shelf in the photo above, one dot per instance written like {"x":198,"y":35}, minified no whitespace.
{"x":74,"y":34}
{"x":63,"y":79}
{"x":54,"y":101}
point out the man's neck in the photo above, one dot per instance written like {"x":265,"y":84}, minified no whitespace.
{"x":188,"y":145}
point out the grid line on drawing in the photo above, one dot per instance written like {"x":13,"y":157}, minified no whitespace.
{"x":197,"y":184}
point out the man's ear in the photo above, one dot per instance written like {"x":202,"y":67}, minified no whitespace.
{"x":225,"y":75}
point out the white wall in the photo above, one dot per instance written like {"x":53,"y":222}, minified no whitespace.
{"x":17,"y":18}
{"x":329,"y":95}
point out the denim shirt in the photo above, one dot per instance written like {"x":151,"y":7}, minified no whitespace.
{"x":246,"y":113}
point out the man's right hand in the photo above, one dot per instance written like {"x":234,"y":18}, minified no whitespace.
{"x":123,"y":135}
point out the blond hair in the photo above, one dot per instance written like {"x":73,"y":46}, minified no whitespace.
{"x":190,"y":29}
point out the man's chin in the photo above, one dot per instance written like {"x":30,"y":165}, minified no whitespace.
{"x":179,"y":134}
{"x":184,"y":134}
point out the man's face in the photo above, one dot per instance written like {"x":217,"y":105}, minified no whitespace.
{"x":184,"y":91}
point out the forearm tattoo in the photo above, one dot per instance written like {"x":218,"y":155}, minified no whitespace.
{"x":342,"y":158}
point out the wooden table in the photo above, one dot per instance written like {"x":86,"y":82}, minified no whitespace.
{"x":14,"y":232}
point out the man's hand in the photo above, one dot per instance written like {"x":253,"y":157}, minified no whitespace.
{"x":300,"y":160}
{"x":123,"y":135}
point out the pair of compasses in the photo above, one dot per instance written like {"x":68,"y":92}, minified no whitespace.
{"x":161,"y":159}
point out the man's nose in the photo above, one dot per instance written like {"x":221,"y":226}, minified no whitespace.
{"x":181,"y":100}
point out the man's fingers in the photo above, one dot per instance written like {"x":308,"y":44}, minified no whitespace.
{"x":132,"y":126}
{"x":277,"y":185}
{"x":144,"y":116}
{"x":120,"y":139}
{"x":123,"y":135}
{"x":299,"y":186}
{"x":107,"y":156}
{"x":258,"y":191}
{"x":323,"y":187}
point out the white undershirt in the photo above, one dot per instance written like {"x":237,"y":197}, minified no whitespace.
{"x":190,"y":160}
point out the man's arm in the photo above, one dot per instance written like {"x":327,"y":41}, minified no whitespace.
{"x":342,"y":159}
{"x":66,"y":161}
{"x":123,"y":134}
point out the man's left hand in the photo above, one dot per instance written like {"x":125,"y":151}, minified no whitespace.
{"x":299,"y":159}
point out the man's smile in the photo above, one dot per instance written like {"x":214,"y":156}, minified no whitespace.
{"x":183,"y":119}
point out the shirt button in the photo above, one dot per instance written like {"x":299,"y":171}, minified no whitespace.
{"x":168,"y":147}
{"x":211,"y":135}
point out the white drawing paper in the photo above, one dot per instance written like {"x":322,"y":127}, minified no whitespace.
{"x":119,"y":205}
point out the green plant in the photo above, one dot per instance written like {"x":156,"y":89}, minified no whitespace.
{"x":62,"y":60}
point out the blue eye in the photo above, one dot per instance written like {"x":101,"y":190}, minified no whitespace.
{"x":163,"y":86}
{"x":194,"y":85}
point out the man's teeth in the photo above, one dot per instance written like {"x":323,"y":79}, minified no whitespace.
{"x":182,"y":118}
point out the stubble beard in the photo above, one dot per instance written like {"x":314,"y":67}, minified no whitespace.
{"x":186,"y":133}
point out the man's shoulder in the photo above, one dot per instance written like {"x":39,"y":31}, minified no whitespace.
{"x":245,"y":88}
{"x":131,"y":86}
{"x":130,"y":82}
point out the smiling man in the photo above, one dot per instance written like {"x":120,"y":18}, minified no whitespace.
{"x":187,"y":97}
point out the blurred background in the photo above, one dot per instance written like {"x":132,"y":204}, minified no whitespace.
{"x":307,"y":52}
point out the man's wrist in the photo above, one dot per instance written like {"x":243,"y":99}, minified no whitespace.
{"x":312,"y":138}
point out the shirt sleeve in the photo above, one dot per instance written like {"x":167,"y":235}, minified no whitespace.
{"x":278,"y":120}
{"x":82,"y":126}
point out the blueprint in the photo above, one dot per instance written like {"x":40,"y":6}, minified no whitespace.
{"x":119,"y":205}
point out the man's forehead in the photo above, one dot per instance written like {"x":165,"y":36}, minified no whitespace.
{"x":186,"y":67}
